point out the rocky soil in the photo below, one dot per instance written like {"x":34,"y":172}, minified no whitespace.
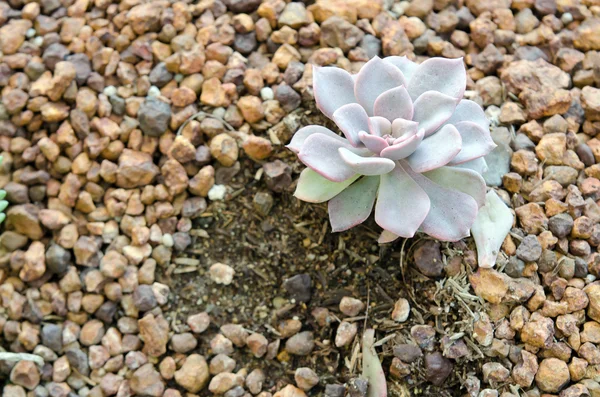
{"x":153,"y":247}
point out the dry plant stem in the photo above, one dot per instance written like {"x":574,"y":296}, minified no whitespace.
{"x":203,"y":113}
{"x":15,"y":357}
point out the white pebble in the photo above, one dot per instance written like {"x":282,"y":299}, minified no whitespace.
{"x":30,"y":33}
{"x":153,"y":91}
{"x":566,"y":18}
{"x":110,"y":90}
{"x":38,"y":41}
{"x":178,"y":77}
{"x":267,"y":94}
{"x":167,"y":240}
{"x":221,"y":273}
{"x":217,"y":192}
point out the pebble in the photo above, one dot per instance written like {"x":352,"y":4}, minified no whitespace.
{"x":299,"y":287}
{"x":401,"y":310}
{"x":428,"y":258}
{"x":306,"y":378}
{"x":437,"y":368}
{"x":552,"y":375}
{"x":300,"y":344}
{"x":221,"y":273}
{"x":351,"y":307}
{"x":345,"y":333}
{"x":193,"y":375}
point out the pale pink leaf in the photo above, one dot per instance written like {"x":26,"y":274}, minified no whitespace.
{"x":380,"y":126}
{"x":432,"y":109}
{"x":452,"y":212}
{"x":401,"y":203}
{"x":354,"y":205}
{"x":476,"y":142}
{"x":404,"y":148}
{"x":300,"y":136}
{"x":467,"y":110}
{"x":437,"y":150}
{"x":406,"y":66}
{"x":447,"y":76}
{"x":404,"y":129}
{"x":333,"y":88}
{"x":374,"y":78}
{"x":320,"y":152}
{"x":366,"y":165}
{"x":374,"y":143}
{"x":394,"y":104}
{"x":352,"y":119}
{"x":461,"y":179}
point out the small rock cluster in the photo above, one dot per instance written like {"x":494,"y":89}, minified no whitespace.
{"x":121,"y":123}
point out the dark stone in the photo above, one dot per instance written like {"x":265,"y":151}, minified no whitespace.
{"x":547,"y":261}
{"x":293,"y":72}
{"x":83,"y":67}
{"x":515,"y":267}
{"x":287,"y":97}
{"x":181,"y":241}
{"x":80,"y":123}
{"x":54,"y":54}
{"x":407,"y":353}
{"x":58,"y":259}
{"x":78,"y":360}
{"x":16,"y":193}
{"x":358,"y":387}
{"x":560,"y":225}
{"x":585,"y":154}
{"x":335,"y":390}
{"x":143,"y":298}
{"x":193,"y":207}
{"x":106,"y":312}
{"x":245,"y":43}
{"x":278,"y":175}
{"x":118,"y":104}
{"x":154,"y":116}
{"x":160,"y":76}
{"x":529,"y":53}
{"x":428,"y":258}
{"x":52,"y":337}
{"x":437,"y":368}
{"x":245,"y":6}
{"x":298,"y":287}
{"x":530,"y":249}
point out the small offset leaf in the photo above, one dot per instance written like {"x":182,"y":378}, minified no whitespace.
{"x":313,"y":188}
{"x":372,"y":369}
{"x":491,"y":228}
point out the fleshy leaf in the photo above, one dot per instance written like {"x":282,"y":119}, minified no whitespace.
{"x":452,"y":212}
{"x":467,"y":110}
{"x":354,"y":205}
{"x":366,"y":165}
{"x":404,"y":128}
{"x":478,"y":165}
{"x":490,"y":229}
{"x":437,"y":150}
{"x":374,"y":78}
{"x":373,"y":143}
{"x":432,"y":109}
{"x":461,"y":179}
{"x":387,"y":237}
{"x":406,"y":66}
{"x":476,"y":142}
{"x":447,"y":76}
{"x":320,"y":152}
{"x":372,"y":369}
{"x":394,"y":104}
{"x":333,"y":88}
{"x":352,"y":119}
{"x":401,"y":203}
{"x":380,"y":126}
{"x":403,"y":148}
{"x":300,"y":136}
{"x":313,"y":188}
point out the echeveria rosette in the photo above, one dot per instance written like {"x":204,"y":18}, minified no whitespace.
{"x":412,"y":148}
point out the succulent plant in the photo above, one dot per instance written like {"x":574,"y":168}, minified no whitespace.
{"x":413,"y":148}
